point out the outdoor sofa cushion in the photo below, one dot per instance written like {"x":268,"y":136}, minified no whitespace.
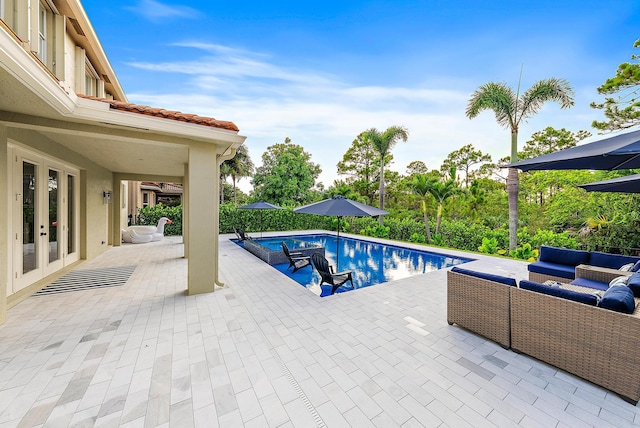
{"x":553,"y":269}
{"x":488,"y":276}
{"x":564,"y":256}
{"x":586,"y":298}
{"x":612,"y":261}
{"x":634,"y":284}
{"x":618,"y":298}
{"x":591,"y":283}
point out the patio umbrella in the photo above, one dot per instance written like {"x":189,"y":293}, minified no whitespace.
{"x":260,"y":205}
{"x":340,"y":206}
{"x":621,"y":151}
{"x":627,"y":184}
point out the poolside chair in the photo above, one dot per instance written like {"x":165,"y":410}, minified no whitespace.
{"x":327,"y":274}
{"x":242,"y":236}
{"x":296,"y":260}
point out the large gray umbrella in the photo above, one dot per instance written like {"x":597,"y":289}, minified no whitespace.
{"x":260,"y":205}
{"x":340,"y":206}
{"x":627,"y":184}
{"x":621,"y":151}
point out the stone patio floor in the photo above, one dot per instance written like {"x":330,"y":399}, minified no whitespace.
{"x":265,"y":352}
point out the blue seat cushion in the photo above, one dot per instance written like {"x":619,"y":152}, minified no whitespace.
{"x":564,"y":256}
{"x":635,"y":267}
{"x":591,"y":283}
{"x":618,"y":298}
{"x":586,"y":298}
{"x":553,"y":269}
{"x":488,"y":276}
{"x":611,"y":261}
{"x":634,"y":284}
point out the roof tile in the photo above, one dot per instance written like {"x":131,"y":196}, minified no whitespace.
{"x":166,"y":114}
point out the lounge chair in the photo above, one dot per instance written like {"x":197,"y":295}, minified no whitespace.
{"x":296,"y":260}
{"x":327,"y":274}
{"x":242,"y":236}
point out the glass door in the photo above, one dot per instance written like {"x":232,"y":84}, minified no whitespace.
{"x":45,"y":213}
{"x":51,"y":222}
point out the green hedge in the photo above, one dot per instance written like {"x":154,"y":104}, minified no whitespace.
{"x":151,"y":215}
{"x":458,"y":234}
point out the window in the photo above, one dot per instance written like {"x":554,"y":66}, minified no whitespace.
{"x":145,"y":199}
{"x":90,"y":80}
{"x":42,"y":33}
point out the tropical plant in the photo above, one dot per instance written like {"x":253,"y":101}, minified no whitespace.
{"x":489,"y":246}
{"x":525,"y":252}
{"x":383,"y":142}
{"x":238,"y":167}
{"x":421,"y":185}
{"x":510,"y":109}
{"x":417,"y":238}
{"x":441,"y":192}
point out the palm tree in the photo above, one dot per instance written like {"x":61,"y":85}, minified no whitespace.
{"x":239,"y":166}
{"x":441,"y":192}
{"x":510,"y":109}
{"x":421,"y":186}
{"x":383,"y":143}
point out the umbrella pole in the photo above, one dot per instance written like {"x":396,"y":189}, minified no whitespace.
{"x":338,"y":247}
{"x":260,"y":223}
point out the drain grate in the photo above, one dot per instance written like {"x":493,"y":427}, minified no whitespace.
{"x":86,"y":279}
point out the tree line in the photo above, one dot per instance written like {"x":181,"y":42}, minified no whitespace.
{"x":469,"y":186}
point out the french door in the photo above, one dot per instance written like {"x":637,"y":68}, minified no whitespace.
{"x":45,"y":213}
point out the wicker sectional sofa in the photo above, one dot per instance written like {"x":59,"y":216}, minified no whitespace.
{"x":596,"y":344}
{"x":558,"y":264}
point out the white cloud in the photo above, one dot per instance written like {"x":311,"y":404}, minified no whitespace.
{"x":324,"y":114}
{"x":155,"y":11}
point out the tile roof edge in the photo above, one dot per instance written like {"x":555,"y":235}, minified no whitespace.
{"x":165,"y":114}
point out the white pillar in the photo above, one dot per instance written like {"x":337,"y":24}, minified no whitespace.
{"x":202,"y":237}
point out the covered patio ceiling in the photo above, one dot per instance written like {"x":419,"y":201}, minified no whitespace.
{"x":126,"y":141}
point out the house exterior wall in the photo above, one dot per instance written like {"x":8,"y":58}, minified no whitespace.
{"x":41,"y":115}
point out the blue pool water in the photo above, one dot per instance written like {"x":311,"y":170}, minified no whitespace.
{"x":371,"y":263}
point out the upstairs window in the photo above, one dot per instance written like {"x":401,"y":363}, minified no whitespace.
{"x":42,"y":33}
{"x":90,"y":80}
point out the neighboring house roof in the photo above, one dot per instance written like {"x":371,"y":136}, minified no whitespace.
{"x":166,"y":114}
{"x":168,"y":188}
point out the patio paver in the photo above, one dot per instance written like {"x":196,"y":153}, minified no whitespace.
{"x":264,"y":351}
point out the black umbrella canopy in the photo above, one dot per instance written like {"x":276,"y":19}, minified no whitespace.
{"x":627,"y":184}
{"x":621,"y":151}
{"x":340,"y":206}
{"x":260,"y":205}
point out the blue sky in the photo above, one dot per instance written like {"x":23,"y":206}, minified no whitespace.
{"x":322,"y":72}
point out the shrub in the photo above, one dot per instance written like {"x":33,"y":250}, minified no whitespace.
{"x":417,"y":238}
{"x":150,"y":215}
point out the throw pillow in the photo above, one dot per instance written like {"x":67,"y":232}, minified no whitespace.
{"x":634,"y":283}
{"x":620,"y":280}
{"x":636,"y":267}
{"x":627,"y":267}
{"x":619,"y":299}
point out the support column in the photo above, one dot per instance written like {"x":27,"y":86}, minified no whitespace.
{"x":185,"y":211}
{"x":202,"y":240}
{"x":6,"y":245}
{"x":116,"y":210}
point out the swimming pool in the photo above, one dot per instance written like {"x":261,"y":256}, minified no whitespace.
{"x":372,"y":263}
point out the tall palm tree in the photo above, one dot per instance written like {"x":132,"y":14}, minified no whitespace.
{"x":383,"y":142}
{"x":421,"y":186}
{"x":239,"y":166}
{"x":510,"y":109}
